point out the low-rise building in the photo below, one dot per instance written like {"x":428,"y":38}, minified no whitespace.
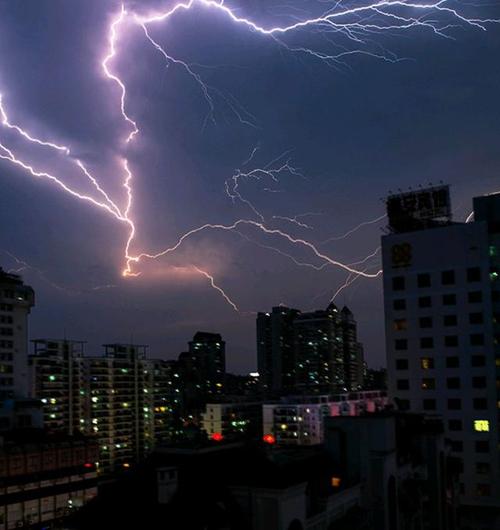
{"x":299,"y":420}
{"x":233,"y":420}
{"x":44,"y":478}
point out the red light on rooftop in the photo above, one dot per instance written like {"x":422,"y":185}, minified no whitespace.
{"x":88,"y":465}
{"x":269,"y":439}
{"x":217,"y":437}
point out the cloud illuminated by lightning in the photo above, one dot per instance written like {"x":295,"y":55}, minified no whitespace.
{"x":349,"y":30}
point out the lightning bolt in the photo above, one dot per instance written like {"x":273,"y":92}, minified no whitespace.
{"x":355,"y":229}
{"x":211,"y":279}
{"x":356,"y":25}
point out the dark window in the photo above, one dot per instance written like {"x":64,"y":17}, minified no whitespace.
{"x":457,"y":446}
{"x":428,"y":383}
{"x":401,"y":364}
{"x":451,"y":341}
{"x":482,"y":468}
{"x":452,"y":362}
{"x":475,"y":297}
{"x":454,"y":404}
{"x":478,"y":360}
{"x":425,"y":322}
{"x":483,"y":490}
{"x":448,"y":277}
{"x":449,"y":299}
{"x":453,"y":383}
{"x":455,"y":425}
{"x":427,"y":342}
{"x":473,"y":274}
{"x":399,"y":304}
{"x":401,"y":344}
{"x":482,"y":446}
{"x":403,"y":384}
{"x":450,"y":320}
{"x":424,"y":280}
{"x":495,"y":296}
{"x":477,"y":339}
{"x":476,"y":318}
{"x":403,"y":404}
{"x":480,"y":403}
{"x":398,"y":283}
{"x":429,"y":404}
{"x":479,"y":382}
{"x":425,"y":301}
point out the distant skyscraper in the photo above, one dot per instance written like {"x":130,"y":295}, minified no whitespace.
{"x":208,"y":355}
{"x":121,"y":412}
{"x":352,"y":350}
{"x":315,"y":352}
{"x":16,"y":301}
{"x":442,"y":309}
{"x":319,"y":352}
{"x":58,"y":379}
{"x":275,"y":353}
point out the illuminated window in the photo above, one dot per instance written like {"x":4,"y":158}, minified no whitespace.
{"x":428,"y":383}
{"x":336,"y":482}
{"x":482,"y":425}
{"x":400,"y":324}
{"x":427,"y":363}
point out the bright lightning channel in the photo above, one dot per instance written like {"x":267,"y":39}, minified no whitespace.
{"x":356,"y":24}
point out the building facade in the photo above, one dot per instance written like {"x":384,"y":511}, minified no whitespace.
{"x":299,"y":420}
{"x":275,"y":349}
{"x":127,"y":402}
{"x":44,"y":478}
{"x":442,"y":310}
{"x":313,"y":352}
{"x":16,"y":301}
{"x":232,"y":420}
{"x":58,"y":378}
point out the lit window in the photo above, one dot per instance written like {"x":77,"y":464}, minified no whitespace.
{"x":336,"y":482}
{"x":400,"y":324}
{"x":482,"y":425}
{"x":427,"y":363}
{"x":428,"y":384}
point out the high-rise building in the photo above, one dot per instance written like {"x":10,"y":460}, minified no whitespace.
{"x":208,"y":352}
{"x":442,"y":311}
{"x":121,"y":414}
{"x":127,"y":402}
{"x":16,"y":301}
{"x":319,"y":352}
{"x":314,"y":352}
{"x":352,"y":351}
{"x":163,"y":396}
{"x":58,"y":379}
{"x":275,"y":352}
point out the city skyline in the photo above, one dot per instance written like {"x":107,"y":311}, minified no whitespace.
{"x":344,"y":139}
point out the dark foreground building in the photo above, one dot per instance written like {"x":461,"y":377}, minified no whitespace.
{"x":44,"y":478}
